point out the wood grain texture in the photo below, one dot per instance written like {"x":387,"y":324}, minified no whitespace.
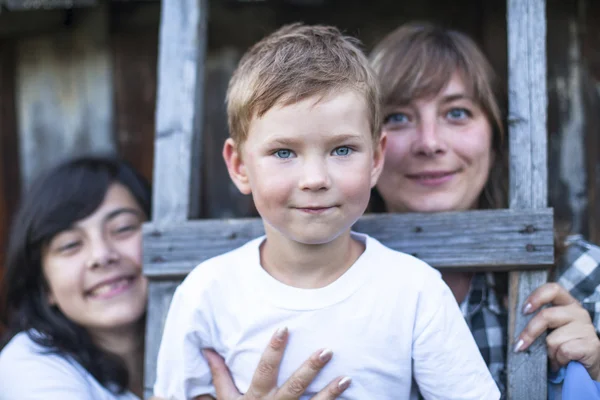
{"x":159,"y":300}
{"x":182,"y":44}
{"x":498,"y":239}
{"x":46,"y":4}
{"x":526,"y":371}
{"x":64,"y":94}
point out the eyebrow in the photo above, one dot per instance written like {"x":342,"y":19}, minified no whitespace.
{"x":283,"y":141}
{"x":119,"y":211}
{"x":458,"y":96}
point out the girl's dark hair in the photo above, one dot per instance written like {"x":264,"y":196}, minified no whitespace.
{"x":57,"y":199}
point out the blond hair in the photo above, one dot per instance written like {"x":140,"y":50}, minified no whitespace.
{"x":417,"y":61}
{"x":294,"y":63}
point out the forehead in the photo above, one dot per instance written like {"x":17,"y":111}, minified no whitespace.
{"x":335,"y":113}
{"x":117,"y":197}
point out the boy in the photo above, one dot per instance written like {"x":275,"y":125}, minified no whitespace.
{"x":304,"y":118}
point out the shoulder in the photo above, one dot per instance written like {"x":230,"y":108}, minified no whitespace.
{"x":28,"y":368}
{"x":397,"y":263}
{"x":220,"y":268}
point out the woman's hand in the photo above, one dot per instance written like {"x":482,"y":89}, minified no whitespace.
{"x":264,"y":381}
{"x":573,"y":337}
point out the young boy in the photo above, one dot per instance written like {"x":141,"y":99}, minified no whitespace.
{"x":304,"y":118}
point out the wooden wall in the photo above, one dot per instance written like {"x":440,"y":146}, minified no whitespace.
{"x":85,"y":79}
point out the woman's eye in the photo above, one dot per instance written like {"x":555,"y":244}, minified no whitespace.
{"x":458,"y":114}
{"x":342,"y":151}
{"x":284,"y":153}
{"x":396,"y":118}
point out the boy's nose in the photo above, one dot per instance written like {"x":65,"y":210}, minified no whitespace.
{"x":315,"y":176}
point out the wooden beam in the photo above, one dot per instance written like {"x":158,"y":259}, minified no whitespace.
{"x":478,"y":239}
{"x":526,"y":371}
{"x":182,"y":46}
{"x":46,"y":4}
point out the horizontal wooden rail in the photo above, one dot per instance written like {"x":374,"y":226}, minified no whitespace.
{"x":475,"y":240}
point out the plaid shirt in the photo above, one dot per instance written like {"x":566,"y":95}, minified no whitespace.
{"x":578,"y":271}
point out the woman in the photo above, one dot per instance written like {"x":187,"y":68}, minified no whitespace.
{"x":446,"y":152}
{"x":74,"y":288}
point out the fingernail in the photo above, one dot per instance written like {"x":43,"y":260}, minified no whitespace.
{"x":325,"y":355}
{"x":519,"y":345}
{"x":527,"y":308}
{"x":280,"y":333}
{"x":344,"y":383}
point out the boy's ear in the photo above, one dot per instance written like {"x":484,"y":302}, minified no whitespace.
{"x":235,"y":166}
{"x":378,"y":158}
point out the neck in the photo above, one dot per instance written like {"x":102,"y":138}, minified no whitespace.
{"x":308,"y":266}
{"x":128,"y":344}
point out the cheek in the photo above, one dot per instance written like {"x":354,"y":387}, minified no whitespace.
{"x":64,"y":279}
{"x":397,"y":149}
{"x":131,"y":249}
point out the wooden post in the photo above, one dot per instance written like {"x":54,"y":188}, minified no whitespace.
{"x":182,"y":46}
{"x":179,"y":106}
{"x":526,"y":371}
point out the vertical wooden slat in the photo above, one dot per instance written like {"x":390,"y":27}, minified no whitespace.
{"x":64,"y":93}
{"x":526,"y":371}
{"x":182,"y":47}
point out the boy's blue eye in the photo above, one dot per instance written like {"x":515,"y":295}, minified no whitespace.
{"x":283,"y":153}
{"x":342,"y":151}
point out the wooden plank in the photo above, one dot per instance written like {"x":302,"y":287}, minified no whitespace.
{"x":483,"y":238}
{"x":526,"y":371}
{"x":47,"y":4}
{"x":64,"y":94}
{"x":159,"y":296}
{"x":182,"y":46}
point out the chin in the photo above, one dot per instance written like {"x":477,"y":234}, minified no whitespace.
{"x":425,"y":206}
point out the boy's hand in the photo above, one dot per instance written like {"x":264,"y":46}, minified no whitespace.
{"x":573,"y":337}
{"x":264,"y":381}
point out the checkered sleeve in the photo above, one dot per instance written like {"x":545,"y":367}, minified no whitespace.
{"x":579,"y":273}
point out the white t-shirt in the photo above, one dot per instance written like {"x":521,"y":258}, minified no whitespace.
{"x":28,"y":372}
{"x":390,"y":318}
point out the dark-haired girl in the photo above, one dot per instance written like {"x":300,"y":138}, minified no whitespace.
{"x":74,"y":288}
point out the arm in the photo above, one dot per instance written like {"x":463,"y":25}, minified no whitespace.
{"x":181,"y":370}
{"x":447,"y":362}
{"x":41,"y":377}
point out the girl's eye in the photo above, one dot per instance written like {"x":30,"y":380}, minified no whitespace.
{"x":458,"y":114}
{"x":124,"y":229}
{"x":342,"y":151}
{"x":284,"y":153}
{"x":396,"y":118}
{"x":67,"y":247}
